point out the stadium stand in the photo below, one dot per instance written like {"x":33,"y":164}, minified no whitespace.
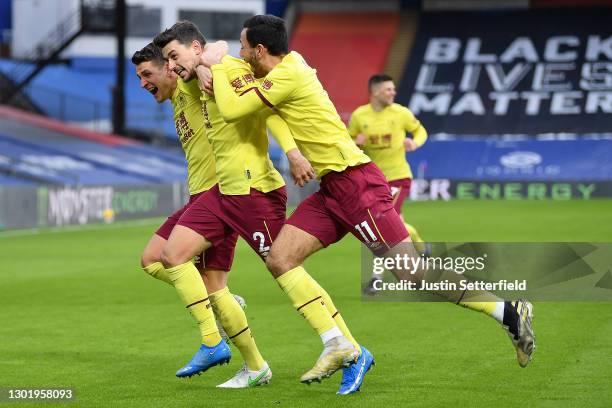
{"x":345,"y":48}
{"x":486,"y":88}
{"x":80,"y":93}
{"x":51,"y":152}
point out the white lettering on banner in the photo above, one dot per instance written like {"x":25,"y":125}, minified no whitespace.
{"x":438,"y":104}
{"x":521,"y":48}
{"x":596,"y":76}
{"x":563,"y":103}
{"x":534,"y":100}
{"x":566,"y":75}
{"x":441,"y":50}
{"x":552,"y":51}
{"x":472,"y":52}
{"x":502,"y":101}
{"x":436,"y":189}
{"x":469,"y":102}
{"x":68,"y":205}
{"x":425,"y":81}
{"x":503,"y":82}
{"x":546,"y":75}
{"x":469,"y":79}
{"x":599,"y":101}
{"x":596,"y":47}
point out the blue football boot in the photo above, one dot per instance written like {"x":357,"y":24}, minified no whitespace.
{"x":352,"y":377}
{"x":205,"y":358}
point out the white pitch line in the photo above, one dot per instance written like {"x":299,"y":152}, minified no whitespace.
{"x":78,"y":228}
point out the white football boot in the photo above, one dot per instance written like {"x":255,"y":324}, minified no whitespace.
{"x":246,"y":378}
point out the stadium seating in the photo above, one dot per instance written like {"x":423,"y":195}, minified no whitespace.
{"x":50,"y":152}
{"x":65,"y":92}
{"x":346,"y":49}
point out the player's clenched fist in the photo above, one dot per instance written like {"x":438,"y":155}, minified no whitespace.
{"x":301,"y":169}
{"x":205,"y":79}
{"x":213,"y":53}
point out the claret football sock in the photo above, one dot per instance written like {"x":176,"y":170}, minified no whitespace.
{"x":234,"y":322}
{"x":158,"y":271}
{"x":188,"y":283}
{"x":307,"y":299}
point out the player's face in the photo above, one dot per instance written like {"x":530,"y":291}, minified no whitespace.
{"x":384,"y":92}
{"x":159,"y":81}
{"x":182,"y":59}
{"x":248,"y":53}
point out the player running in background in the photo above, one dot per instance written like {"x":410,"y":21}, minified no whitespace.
{"x":354,"y":195}
{"x":379,"y":128}
{"x":215,"y":263}
{"x":251,"y":197}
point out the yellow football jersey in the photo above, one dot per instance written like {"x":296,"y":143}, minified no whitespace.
{"x":385,"y":132}
{"x":190,"y":129}
{"x":240,"y":148}
{"x":293,"y":90}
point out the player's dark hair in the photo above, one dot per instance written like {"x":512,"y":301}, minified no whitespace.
{"x":269,"y":31}
{"x":377,"y":79}
{"x":149,"y":52}
{"x":183,"y":31}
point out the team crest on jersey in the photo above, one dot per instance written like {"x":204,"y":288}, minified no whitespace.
{"x":181,"y":100}
{"x":267,"y":84}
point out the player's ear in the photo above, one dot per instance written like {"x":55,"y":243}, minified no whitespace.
{"x":260,"y":49}
{"x":197,"y":47}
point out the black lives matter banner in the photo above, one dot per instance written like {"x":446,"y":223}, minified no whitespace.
{"x":530,"y":72}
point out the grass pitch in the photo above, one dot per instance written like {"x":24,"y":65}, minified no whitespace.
{"x":76,"y":311}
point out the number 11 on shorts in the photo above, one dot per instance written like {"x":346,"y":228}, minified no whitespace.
{"x":364,"y":228}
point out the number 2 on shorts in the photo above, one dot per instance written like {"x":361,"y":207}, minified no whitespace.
{"x":263,"y":248}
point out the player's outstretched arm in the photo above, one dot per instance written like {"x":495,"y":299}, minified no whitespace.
{"x":300,"y":167}
{"x":232,"y":106}
{"x":419,"y":137}
{"x":354,"y":129}
{"x":280,"y":132}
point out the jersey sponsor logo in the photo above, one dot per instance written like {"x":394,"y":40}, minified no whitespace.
{"x":181,"y":100}
{"x":380,"y":141}
{"x":183,"y":129}
{"x":267,"y":84}
{"x":241,"y":81}
{"x":207,"y":123}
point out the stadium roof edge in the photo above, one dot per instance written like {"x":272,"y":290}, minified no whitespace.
{"x":52,"y":124}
